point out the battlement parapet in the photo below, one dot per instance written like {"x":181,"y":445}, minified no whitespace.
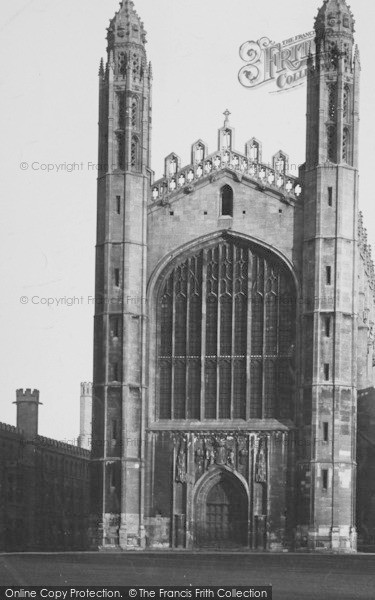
{"x":10,"y":429}
{"x":62,"y":446}
{"x":271,"y":176}
{"x":27,"y":395}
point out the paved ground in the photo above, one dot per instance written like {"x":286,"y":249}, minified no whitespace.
{"x":292,"y":576}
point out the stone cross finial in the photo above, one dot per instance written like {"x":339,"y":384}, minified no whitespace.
{"x":226,"y":113}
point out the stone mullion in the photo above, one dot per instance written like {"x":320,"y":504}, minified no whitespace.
{"x":188,"y":290}
{"x":252,"y":458}
{"x":173,"y":528}
{"x":264,"y":339}
{"x":248,"y":337}
{"x":203,"y":333}
{"x":233,"y":331}
{"x":277,"y":359}
{"x":218,"y":335}
{"x":173,"y":341}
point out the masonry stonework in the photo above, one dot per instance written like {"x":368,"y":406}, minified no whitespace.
{"x":236,"y":322}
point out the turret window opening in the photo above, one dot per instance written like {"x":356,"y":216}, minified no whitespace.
{"x":117,"y":277}
{"x":325,"y":479}
{"x":121,"y":110}
{"x":227,"y":201}
{"x":122,"y":62}
{"x":328,"y":327}
{"x":332,"y":102}
{"x":134,"y":152}
{"x":134,"y":113}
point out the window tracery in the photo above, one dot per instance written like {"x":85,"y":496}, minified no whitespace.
{"x":134,"y":152}
{"x":226,"y":332}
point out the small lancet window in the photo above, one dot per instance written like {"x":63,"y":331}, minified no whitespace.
{"x":330,"y":196}
{"x":227,"y":201}
{"x":325,"y":479}
{"x":328,"y":327}
{"x":117,"y":277}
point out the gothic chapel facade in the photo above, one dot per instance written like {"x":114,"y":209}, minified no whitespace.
{"x":235,"y":323}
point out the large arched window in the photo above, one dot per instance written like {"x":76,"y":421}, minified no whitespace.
{"x":226,"y":335}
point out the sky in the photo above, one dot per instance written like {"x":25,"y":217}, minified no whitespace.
{"x":49,"y":107}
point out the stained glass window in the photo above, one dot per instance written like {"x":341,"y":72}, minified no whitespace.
{"x":227,"y":321}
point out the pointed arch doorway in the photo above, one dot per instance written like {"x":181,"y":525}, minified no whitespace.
{"x":221,"y":511}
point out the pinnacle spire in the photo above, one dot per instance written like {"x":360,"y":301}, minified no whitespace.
{"x":101,"y":68}
{"x":335,"y":15}
{"x":226,"y":114}
{"x":126,"y":26}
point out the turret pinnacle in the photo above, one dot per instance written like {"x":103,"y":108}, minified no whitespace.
{"x":126,"y":26}
{"x":101,"y":68}
{"x":335,"y":16}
